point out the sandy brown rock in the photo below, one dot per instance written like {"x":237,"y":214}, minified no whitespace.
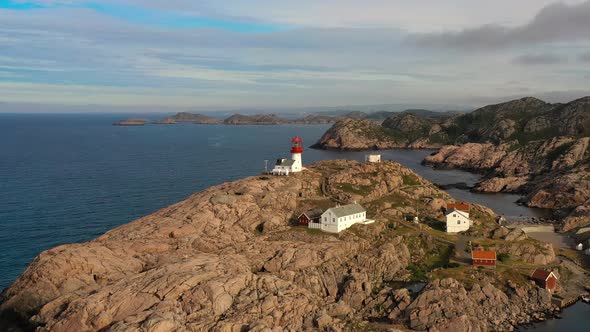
{"x":228,"y":259}
{"x":356,"y":134}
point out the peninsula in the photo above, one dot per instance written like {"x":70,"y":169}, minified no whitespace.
{"x":232,"y":258}
{"x":525,"y":146}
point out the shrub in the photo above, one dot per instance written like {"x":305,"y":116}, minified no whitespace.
{"x":504,"y":258}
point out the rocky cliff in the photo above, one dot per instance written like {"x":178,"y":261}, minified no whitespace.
{"x":553,"y":173}
{"x":519,"y":121}
{"x":189,"y":118}
{"x":524,"y":146}
{"x":357,"y":134}
{"x":229,"y":259}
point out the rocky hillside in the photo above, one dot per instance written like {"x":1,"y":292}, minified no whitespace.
{"x":356,"y":134}
{"x":258,"y":119}
{"x":553,"y":173}
{"x":518,"y":121}
{"x":229,"y":259}
{"x":524,"y":146}
{"x":401,"y":130}
{"x":189,"y":118}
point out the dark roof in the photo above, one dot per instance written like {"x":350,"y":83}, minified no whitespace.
{"x":285,"y":162}
{"x":313,"y":214}
{"x":458,"y":206}
{"x":541,"y":274}
{"x":482,"y":254}
{"x":347,"y":210}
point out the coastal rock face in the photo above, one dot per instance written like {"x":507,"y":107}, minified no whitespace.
{"x":524,"y":146}
{"x":555,"y":173}
{"x":190,"y":118}
{"x":356,"y":134}
{"x":468,"y":156}
{"x":227,"y":259}
{"x":579,"y":217}
{"x":528,"y":252}
{"x":445,"y":305}
{"x":259,"y":119}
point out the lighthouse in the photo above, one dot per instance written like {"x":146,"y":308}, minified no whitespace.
{"x":285,"y":166}
{"x":296,"y":151}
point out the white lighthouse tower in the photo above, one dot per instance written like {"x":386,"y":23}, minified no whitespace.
{"x":285,"y":166}
{"x":296,"y":151}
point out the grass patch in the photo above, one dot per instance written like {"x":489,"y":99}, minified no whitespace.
{"x":349,"y":188}
{"x":410,"y":180}
{"x":504,"y":258}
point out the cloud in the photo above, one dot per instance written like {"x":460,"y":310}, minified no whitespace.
{"x":77,"y":55}
{"x":554,"y":23}
{"x":539,"y":59}
{"x":584,"y":57}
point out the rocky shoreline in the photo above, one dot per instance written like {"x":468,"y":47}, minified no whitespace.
{"x":229,"y":259}
{"x":525,"y":147}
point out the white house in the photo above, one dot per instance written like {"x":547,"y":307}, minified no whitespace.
{"x":458,"y":218}
{"x":373,"y":158}
{"x":580,"y":247}
{"x":337,"y":219}
{"x":285,"y":166}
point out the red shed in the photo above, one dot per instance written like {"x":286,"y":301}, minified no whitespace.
{"x":545,"y":279}
{"x":483,"y":258}
{"x":310,"y":216}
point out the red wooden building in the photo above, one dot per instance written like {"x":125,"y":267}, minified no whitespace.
{"x":483,"y":258}
{"x":545,"y":279}
{"x":310,"y":216}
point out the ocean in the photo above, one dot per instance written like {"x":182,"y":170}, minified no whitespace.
{"x":68,"y":178}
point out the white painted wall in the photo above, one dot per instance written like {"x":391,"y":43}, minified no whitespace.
{"x":332,"y":224}
{"x":298,"y":165}
{"x":457,"y":222}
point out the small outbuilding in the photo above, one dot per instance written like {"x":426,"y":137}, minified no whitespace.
{"x":545,"y":279}
{"x":373,"y":158}
{"x":483,"y":258}
{"x":580,"y":247}
{"x":312,"y":216}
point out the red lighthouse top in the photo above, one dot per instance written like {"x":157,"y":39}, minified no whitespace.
{"x":296,"y":145}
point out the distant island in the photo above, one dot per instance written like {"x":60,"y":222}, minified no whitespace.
{"x":132,"y":122}
{"x":525,"y":146}
{"x":274,"y":119}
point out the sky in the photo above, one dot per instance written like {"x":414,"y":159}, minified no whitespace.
{"x":277,"y":54}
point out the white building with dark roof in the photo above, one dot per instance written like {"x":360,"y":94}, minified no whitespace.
{"x":337,"y":219}
{"x":285,"y":166}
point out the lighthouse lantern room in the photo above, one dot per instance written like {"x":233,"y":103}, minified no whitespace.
{"x":285,"y":166}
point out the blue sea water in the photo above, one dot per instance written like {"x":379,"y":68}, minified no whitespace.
{"x":68,"y":178}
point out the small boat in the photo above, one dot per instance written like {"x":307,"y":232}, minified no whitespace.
{"x":586,"y":299}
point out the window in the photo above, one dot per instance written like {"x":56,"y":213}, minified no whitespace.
{"x":454,"y":216}
{"x":333,"y":219}
{"x":458,"y":222}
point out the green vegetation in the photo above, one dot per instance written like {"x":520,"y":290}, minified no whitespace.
{"x":410,"y":180}
{"x":504,"y":258}
{"x":349,"y":188}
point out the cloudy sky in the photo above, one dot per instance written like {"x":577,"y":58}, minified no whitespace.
{"x":217,"y":54}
